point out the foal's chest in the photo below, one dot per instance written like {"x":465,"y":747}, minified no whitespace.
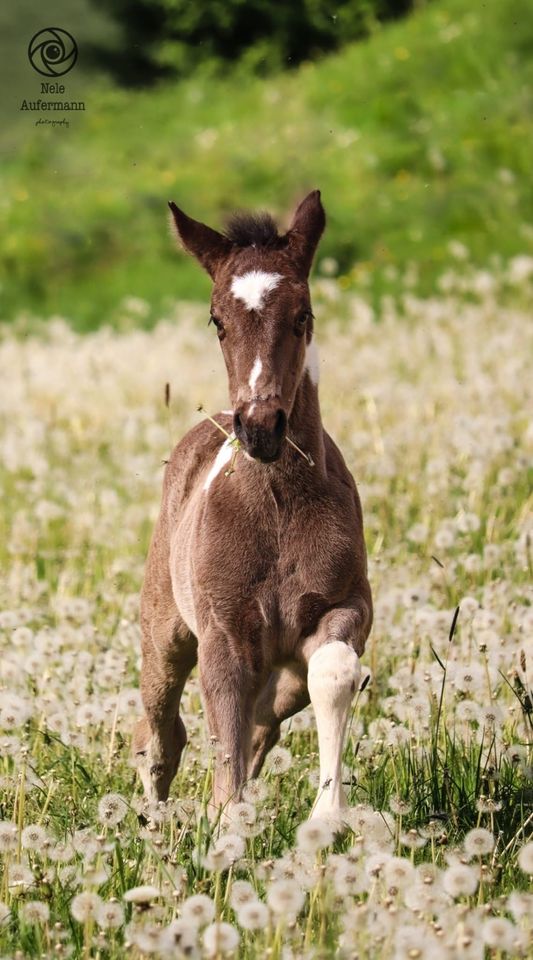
{"x":275,"y":566}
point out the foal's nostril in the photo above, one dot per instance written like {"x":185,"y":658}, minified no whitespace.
{"x":280,"y":423}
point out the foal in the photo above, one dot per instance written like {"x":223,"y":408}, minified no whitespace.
{"x":257,"y":566}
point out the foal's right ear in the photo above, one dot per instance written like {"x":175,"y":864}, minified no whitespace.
{"x":306,"y":229}
{"x":207,"y":245}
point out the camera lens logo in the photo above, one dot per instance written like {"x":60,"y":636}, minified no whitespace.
{"x":53,"y":52}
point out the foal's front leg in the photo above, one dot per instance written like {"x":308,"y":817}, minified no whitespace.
{"x":284,"y":694}
{"x":229,"y":686}
{"x":333,"y":678}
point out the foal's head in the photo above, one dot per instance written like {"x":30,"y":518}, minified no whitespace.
{"x":261,"y":309}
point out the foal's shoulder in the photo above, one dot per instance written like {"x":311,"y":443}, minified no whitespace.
{"x":198,"y":447}
{"x":336,"y":465}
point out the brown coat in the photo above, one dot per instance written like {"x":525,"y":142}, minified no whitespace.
{"x":259,"y":570}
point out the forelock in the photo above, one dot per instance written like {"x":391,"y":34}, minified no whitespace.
{"x":253,"y":230}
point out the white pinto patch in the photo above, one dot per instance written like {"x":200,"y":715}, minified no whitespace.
{"x":255,"y":374}
{"x":333,"y":677}
{"x":312,"y":363}
{"x":222,"y":458}
{"x":253,"y":287}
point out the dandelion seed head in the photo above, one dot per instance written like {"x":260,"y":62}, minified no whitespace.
{"x":460,"y":880}
{"x":252,"y":915}
{"x":520,"y":905}
{"x":478,"y":842}
{"x":198,"y":909}
{"x":35,"y":911}
{"x":314,"y":835}
{"x":143,"y":894}
{"x":8,"y":836}
{"x":179,"y":938}
{"x":279,"y":760}
{"x":112,"y":809}
{"x":255,"y":791}
{"x":147,"y":937}
{"x":34,"y":837}
{"x":399,"y":807}
{"x":498,"y":933}
{"x":242,"y":892}
{"x":397,"y":872}
{"x":110,"y":915}
{"x":19,"y":876}
{"x":220,"y":938}
{"x":488,"y":805}
{"x":85,"y":906}
{"x":285,"y":897}
{"x":525,"y":858}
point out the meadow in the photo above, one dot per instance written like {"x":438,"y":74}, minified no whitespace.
{"x":420,"y":138}
{"x":431,"y":405}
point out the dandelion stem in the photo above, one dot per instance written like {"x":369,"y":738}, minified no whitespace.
{"x":306,"y":456}
{"x":214,"y":422}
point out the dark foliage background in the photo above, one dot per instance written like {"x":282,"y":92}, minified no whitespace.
{"x":159,"y":38}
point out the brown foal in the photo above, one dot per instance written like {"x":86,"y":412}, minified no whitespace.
{"x":257,"y":572}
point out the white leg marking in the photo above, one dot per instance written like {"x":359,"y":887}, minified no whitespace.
{"x":253,"y":287}
{"x":255,"y":374}
{"x":333,"y":677}
{"x":222,"y":458}
{"x":312,"y":363}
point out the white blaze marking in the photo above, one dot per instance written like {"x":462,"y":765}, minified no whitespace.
{"x":222,"y":458}
{"x":333,"y":677}
{"x":255,"y":374}
{"x":312,"y":363}
{"x":253,"y":287}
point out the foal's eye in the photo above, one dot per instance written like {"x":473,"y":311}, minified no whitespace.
{"x":300,"y":323}
{"x":217,"y":323}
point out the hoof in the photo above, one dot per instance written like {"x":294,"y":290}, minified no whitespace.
{"x":336,"y":817}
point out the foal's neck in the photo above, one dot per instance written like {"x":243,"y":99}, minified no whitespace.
{"x":305,"y":423}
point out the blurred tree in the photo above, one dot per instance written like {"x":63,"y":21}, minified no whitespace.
{"x":170,"y":37}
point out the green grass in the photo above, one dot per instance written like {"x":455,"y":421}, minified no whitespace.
{"x":434,"y":427}
{"x":419,"y":136}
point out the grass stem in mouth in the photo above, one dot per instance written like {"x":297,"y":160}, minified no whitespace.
{"x":214,"y":422}
{"x":306,"y":456}
{"x":234,"y":441}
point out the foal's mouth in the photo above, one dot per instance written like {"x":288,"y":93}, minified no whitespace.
{"x":263,"y":457}
{"x":262,"y":437}
{"x":270,"y":452}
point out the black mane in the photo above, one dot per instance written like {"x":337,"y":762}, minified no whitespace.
{"x":253,"y":230}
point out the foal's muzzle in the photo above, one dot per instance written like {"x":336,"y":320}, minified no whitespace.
{"x":261,"y":427}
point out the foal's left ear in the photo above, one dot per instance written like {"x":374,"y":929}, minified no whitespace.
{"x":306,"y":229}
{"x":207,"y":245}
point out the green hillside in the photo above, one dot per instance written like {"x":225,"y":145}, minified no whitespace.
{"x":420,"y":136}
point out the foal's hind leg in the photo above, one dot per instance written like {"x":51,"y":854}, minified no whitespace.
{"x":169,"y":654}
{"x":160,"y":736}
{"x":284,"y":694}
